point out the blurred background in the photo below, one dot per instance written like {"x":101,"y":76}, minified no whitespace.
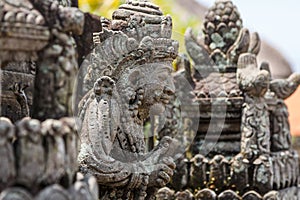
{"x":275,"y":21}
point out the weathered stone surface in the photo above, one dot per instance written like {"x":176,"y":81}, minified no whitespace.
{"x":57,"y":66}
{"x":229,"y":194}
{"x":272,"y":195}
{"x":206,"y":194}
{"x":36,"y":39}
{"x":243,"y":125}
{"x":252,"y":195}
{"x":30,"y":154}
{"x":184,"y":195}
{"x":54,"y":192}
{"x":16,"y":94}
{"x":23,"y":31}
{"x":7,"y":168}
{"x":165,"y":194}
{"x":84,"y":42}
{"x":127,"y":78}
{"x":15,"y":193}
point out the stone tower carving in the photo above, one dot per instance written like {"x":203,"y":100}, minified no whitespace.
{"x":243,"y":145}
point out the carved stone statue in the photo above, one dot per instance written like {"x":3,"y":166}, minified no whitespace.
{"x":127,"y":78}
{"x":242,"y":149}
{"x":255,"y":125}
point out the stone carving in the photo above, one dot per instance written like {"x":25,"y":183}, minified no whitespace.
{"x":34,"y":165}
{"x":205,"y":194}
{"x":23,"y":34}
{"x":271,"y":195}
{"x":56,"y":158}
{"x":281,"y":89}
{"x":21,"y":45}
{"x":127,"y":78}
{"x":252,"y":195}
{"x":184,"y":195}
{"x":255,"y":117}
{"x":198,"y":171}
{"x":165,"y":194}
{"x":228,"y":194}
{"x":263,"y":174}
{"x":246,"y":155}
{"x":39,"y":158}
{"x":58,"y":64}
{"x":19,"y":91}
{"x":242,"y":149}
{"x":72,"y":146}
{"x":239,"y":170}
{"x":53,"y":192}
{"x":180,"y":178}
{"x":281,"y":137}
{"x":30,"y":153}
{"x":15,"y":193}
{"x":218,"y":172}
{"x":7,"y":168}
{"x":86,"y":188}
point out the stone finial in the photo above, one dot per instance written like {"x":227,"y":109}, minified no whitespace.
{"x":222,"y":25}
{"x":224,"y":40}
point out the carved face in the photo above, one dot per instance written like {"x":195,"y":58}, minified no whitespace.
{"x":155,"y":82}
{"x":159,"y":85}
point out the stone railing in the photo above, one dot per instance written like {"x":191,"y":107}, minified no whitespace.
{"x":40,"y":158}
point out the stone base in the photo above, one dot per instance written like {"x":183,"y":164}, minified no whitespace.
{"x":291,"y":193}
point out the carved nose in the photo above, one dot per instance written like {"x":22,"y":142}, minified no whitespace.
{"x":169,"y":91}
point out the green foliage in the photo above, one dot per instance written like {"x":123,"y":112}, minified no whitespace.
{"x":182,"y":19}
{"x":103,"y":8}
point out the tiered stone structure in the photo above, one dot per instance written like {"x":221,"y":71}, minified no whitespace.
{"x":242,"y":149}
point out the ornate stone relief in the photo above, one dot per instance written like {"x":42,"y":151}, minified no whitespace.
{"x":242,"y":149}
{"x":243,"y":145}
{"x":38,"y":66}
{"x":127,"y":78}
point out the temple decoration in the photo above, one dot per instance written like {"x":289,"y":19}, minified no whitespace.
{"x":242,"y":148}
{"x":243,"y":145}
{"x":38,"y":66}
{"x":127,"y":78}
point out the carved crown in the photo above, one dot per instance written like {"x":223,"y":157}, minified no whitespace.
{"x":146,"y":28}
{"x":138,"y":33}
